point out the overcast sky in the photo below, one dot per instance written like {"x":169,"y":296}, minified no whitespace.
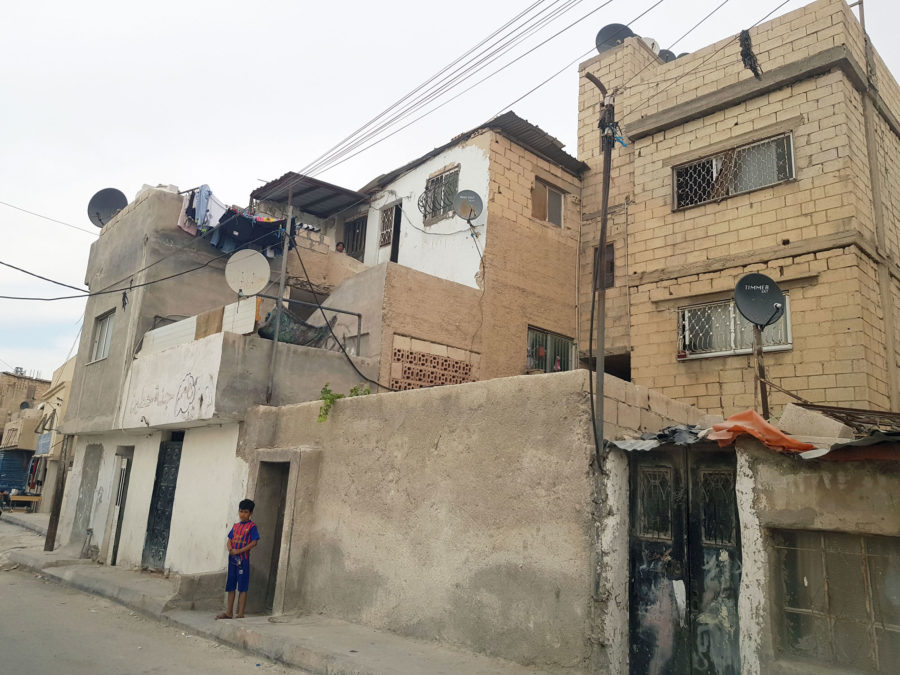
{"x":231,"y":93}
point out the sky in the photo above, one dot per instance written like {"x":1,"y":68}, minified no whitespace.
{"x":234,"y":94}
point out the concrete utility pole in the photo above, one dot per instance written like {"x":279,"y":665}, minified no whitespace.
{"x":607,"y":126}
{"x":278,"y":304}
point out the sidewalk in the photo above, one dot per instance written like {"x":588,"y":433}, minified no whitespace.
{"x":316,"y":644}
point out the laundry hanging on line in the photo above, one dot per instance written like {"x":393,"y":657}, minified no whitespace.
{"x":200,"y":211}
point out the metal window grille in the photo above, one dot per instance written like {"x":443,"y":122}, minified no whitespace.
{"x":655,"y":500}
{"x":439,"y":194}
{"x":102,"y":336}
{"x":355,"y":237}
{"x":734,"y":171}
{"x":549,"y":352}
{"x":387,"y":226}
{"x":610,"y":266}
{"x":837,"y":598}
{"x":719,"y":329}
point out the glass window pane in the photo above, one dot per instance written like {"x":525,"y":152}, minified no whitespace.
{"x":884,"y":575}
{"x":806,"y":635}
{"x":707,"y":328}
{"x":852,"y":644}
{"x":754,"y":166}
{"x":888,"y":648}
{"x":846,"y":591}
{"x":717,"y":507}
{"x":554,"y":206}
{"x":655,"y":502}
{"x":802,"y":579}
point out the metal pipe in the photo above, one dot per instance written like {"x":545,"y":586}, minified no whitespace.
{"x":279,"y":303}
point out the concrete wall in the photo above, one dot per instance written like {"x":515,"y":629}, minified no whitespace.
{"x":779,"y":492}
{"x":832,"y":217}
{"x":143,"y":235}
{"x":471,"y":522}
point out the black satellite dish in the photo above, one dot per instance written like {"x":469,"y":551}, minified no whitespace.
{"x":666,"y":55}
{"x":759,"y":299}
{"x":612,"y":36}
{"x":105,"y":205}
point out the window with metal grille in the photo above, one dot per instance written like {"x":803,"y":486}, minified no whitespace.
{"x":610,"y":266}
{"x":547,"y":202}
{"x":837,"y":598}
{"x":387,"y":226}
{"x":437,"y":200}
{"x":549,"y":352}
{"x":735,"y":171}
{"x":719,"y":329}
{"x":103,"y":326}
{"x":355,"y":237}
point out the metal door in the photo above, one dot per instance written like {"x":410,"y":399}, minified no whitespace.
{"x":685,"y":565}
{"x":161,"y":501}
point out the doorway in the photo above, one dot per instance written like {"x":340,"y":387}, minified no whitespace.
{"x":685,"y":562}
{"x":271,"y":503}
{"x":124,"y":457}
{"x":161,"y":501}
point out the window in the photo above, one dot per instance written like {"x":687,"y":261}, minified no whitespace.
{"x":549,"y":352}
{"x":836,"y":598}
{"x":610,"y":266}
{"x":734,"y":171}
{"x":437,"y":200}
{"x":547,"y":203}
{"x":387,"y":227}
{"x":355,"y":237}
{"x":719,"y":329}
{"x":102,"y":333}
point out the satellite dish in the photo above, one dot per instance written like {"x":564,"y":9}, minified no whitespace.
{"x":666,"y":55}
{"x":653,"y":44}
{"x":247,"y":272}
{"x":612,"y":36}
{"x":682,"y":54}
{"x":24,"y":405}
{"x":105,"y":205}
{"x":468,"y":205}
{"x":759,"y":299}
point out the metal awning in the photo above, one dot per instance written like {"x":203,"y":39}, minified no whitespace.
{"x":310,"y":195}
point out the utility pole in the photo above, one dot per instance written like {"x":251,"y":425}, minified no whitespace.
{"x":58,"y":491}
{"x":607,"y":126}
{"x":278,"y":304}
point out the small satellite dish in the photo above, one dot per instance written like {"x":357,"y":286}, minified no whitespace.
{"x":653,"y":44}
{"x":247,"y":272}
{"x":611,"y":36}
{"x":682,"y":54}
{"x":105,"y":205}
{"x":759,"y":299}
{"x":666,"y":55}
{"x":24,"y":405}
{"x":468,"y":205}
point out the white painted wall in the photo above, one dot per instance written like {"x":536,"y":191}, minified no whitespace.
{"x":173,"y":386}
{"x":434,"y":251}
{"x":211,"y":482}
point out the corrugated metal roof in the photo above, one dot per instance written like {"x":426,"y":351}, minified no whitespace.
{"x":518,"y":130}
{"x":310,"y":195}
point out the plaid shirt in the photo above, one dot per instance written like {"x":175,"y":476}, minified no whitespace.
{"x":242,"y":534}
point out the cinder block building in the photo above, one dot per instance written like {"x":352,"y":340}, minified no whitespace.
{"x":791,"y":172}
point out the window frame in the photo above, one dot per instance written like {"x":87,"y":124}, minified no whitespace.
{"x":356,"y":254}
{"x":544,"y":215}
{"x":791,"y":168}
{"x":531,"y":360}
{"x":823,"y":551}
{"x":441,"y":181}
{"x":102,"y":336}
{"x":682,"y":354}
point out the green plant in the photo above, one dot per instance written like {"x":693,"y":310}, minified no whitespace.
{"x":329,"y":397}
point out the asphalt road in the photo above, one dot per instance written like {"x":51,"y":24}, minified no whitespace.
{"x":49,"y":628}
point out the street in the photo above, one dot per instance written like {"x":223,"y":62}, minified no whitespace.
{"x":49,"y":628}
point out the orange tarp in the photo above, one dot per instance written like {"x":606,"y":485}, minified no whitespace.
{"x":750,"y":422}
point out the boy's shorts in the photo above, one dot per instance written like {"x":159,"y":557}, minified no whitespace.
{"x":238,"y":577}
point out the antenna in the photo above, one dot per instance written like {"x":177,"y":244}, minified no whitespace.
{"x":761,"y":302}
{"x":105,"y":204}
{"x":468,"y":205}
{"x":247,"y":272}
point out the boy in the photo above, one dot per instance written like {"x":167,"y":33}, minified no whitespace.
{"x":243,"y":537}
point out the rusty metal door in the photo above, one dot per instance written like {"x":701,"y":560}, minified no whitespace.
{"x":685,"y":564}
{"x":161,"y":501}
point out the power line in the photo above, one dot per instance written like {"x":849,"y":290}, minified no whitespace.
{"x":53,"y":220}
{"x":52,"y":281}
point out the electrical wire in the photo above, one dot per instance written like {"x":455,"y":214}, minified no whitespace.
{"x":53,"y":220}
{"x":38,"y":276}
{"x":328,"y":323}
{"x":458,"y":77}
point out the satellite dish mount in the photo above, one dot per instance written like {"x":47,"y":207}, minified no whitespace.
{"x":761,"y":302}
